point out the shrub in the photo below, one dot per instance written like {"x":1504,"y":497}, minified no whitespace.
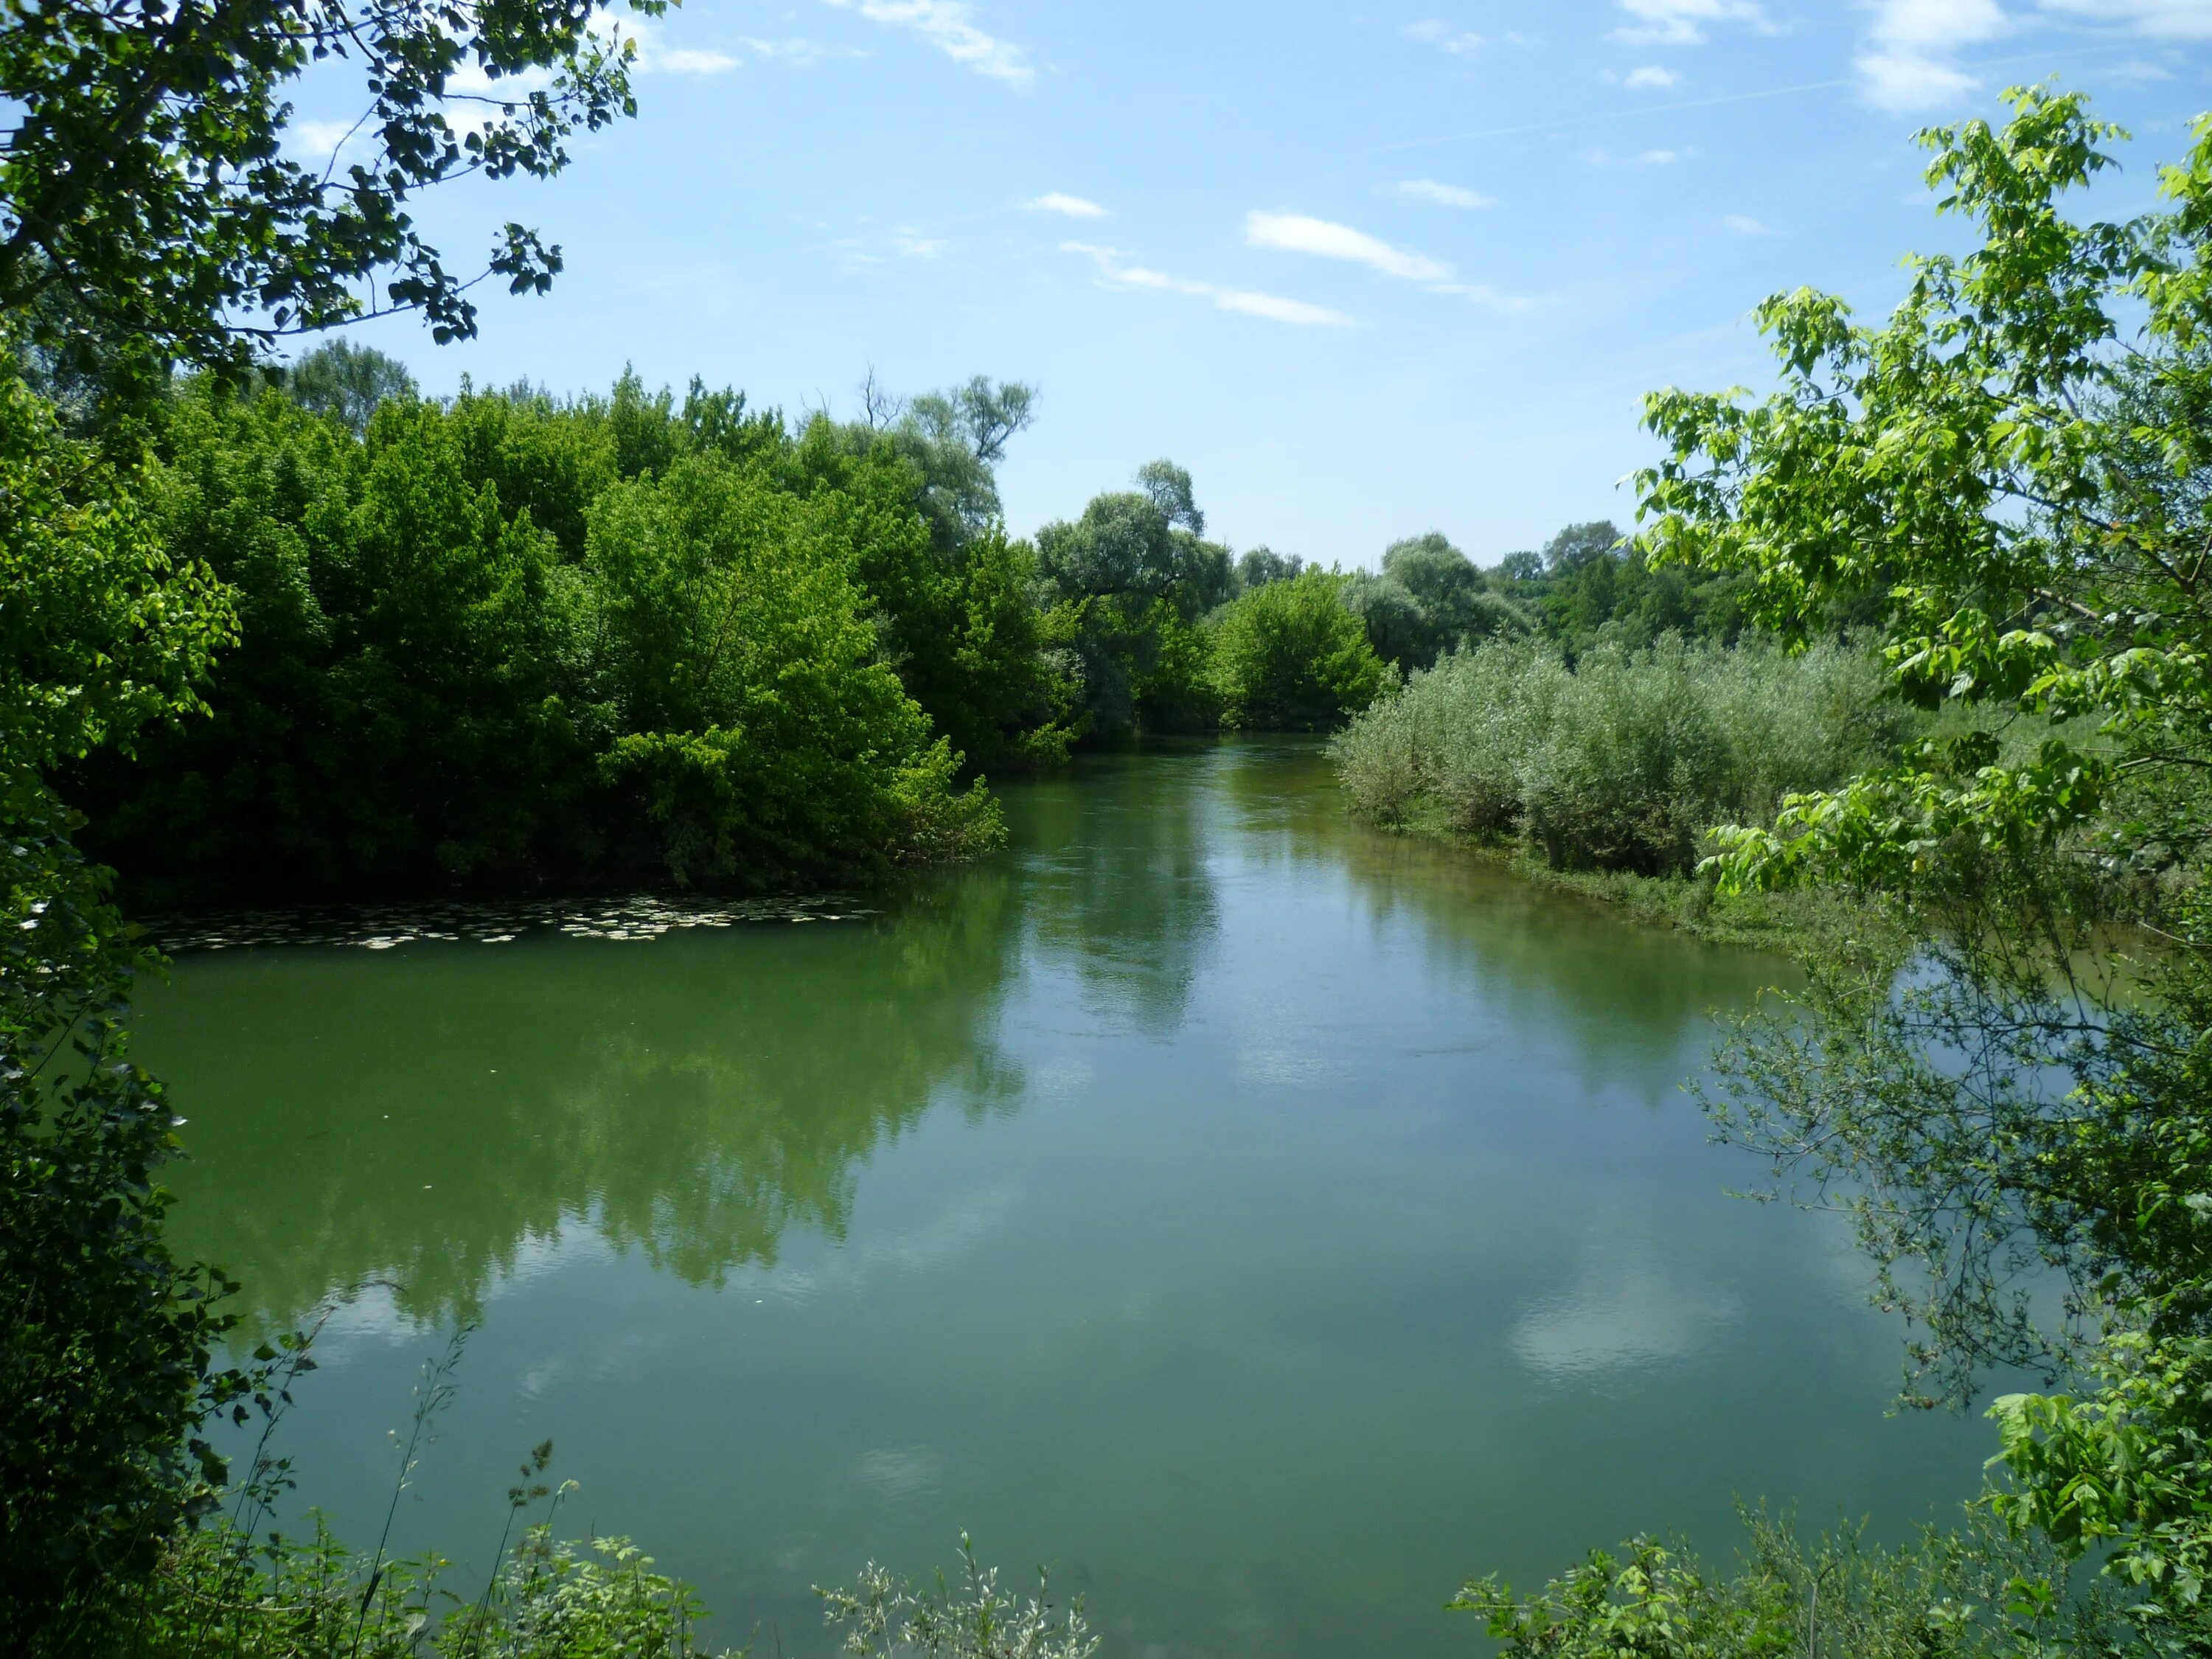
{"x":1622,"y":760}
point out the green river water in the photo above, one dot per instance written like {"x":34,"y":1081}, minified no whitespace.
{"x":1265,"y":1222}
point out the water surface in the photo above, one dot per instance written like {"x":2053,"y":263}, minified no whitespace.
{"x":1265,"y":1222}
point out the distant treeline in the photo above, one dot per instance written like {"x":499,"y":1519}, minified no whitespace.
{"x":514,"y":640}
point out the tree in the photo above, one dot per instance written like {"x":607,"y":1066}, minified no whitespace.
{"x":148,"y":216}
{"x":347,"y":382}
{"x":1262,"y":565}
{"x":1132,"y":577}
{"x":2015,"y":476}
{"x":145,"y":177}
{"x":1289,"y":657}
{"x":104,"y":1374}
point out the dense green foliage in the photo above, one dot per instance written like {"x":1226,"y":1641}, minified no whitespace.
{"x":1620,"y":760}
{"x":2018,"y":1101}
{"x":104,"y":1374}
{"x":1590,"y":584}
{"x":1288,"y":656}
{"x":512,"y":643}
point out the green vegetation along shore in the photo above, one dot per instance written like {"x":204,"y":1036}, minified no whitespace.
{"x":325,"y":637}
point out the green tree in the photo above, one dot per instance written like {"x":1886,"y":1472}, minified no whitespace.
{"x":1131,"y":578}
{"x":105,"y":1375}
{"x":763,"y":739}
{"x":1289,"y":657}
{"x":145,"y":175}
{"x":347,"y":382}
{"x":2012,"y":473}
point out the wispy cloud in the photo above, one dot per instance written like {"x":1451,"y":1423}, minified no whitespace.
{"x":1452,"y":196}
{"x":2168,"y":20}
{"x":1744,"y":225}
{"x":911,"y":244}
{"x":1660,"y":158}
{"x":950,"y":26}
{"x":651,"y":54}
{"x":1115,"y":271}
{"x":797,"y":51}
{"x":1682,"y":22}
{"x":1295,"y":233}
{"x":1057,"y":201}
{"x":1650,"y":76}
{"x":1430,"y":31}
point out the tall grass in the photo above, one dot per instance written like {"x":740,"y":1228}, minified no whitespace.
{"x":1622,"y":759}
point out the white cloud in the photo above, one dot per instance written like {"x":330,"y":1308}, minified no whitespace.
{"x":1651,"y":75}
{"x":1294,"y":233}
{"x":1936,"y":25}
{"x":1660,"y":158}
{"x":1115,"y":271}
{"x":797,"y":51}
{"x":1906,"y":81}
{"x":1682,"y":22}
{"x":950,"y":26}
{"x":1075,"y":207}
{"x":1908,"y":65}
{"x":2169,"y":19}
{"x":1428,"y":190}
{"x":1461,"y":42}
{"x":1744,"y":225}
{"x":911,"y":243}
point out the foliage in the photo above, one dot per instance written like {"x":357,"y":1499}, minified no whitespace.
{"x":2123,"y":1471}
{"x":1129,"y":580}
{"x":277,"y":1597}
{"x":347,"y":382}
{"x":1949,"y":1594}
{"x":975,"y":1620}
{"x":1288,"y":656}
{"x":1620,"y":760}
{"x":144,"y":176}
{"x":1590,"y":584}
{"x":764,"y":739}
{"x":2018,"y":491}
{"x":104,"y":1367}
{"x":433,"y":689}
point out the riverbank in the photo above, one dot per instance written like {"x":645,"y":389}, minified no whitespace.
{"x":1791,"y":924}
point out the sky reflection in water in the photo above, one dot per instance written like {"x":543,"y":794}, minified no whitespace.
{"x":1267,"y":1221}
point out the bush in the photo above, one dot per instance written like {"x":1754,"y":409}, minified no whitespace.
{"x":1621,"y":761}
{"x":1977,"y":1590}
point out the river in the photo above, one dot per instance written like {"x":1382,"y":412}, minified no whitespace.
{"x":1265,"y":1222}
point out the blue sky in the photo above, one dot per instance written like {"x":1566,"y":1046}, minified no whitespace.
{"x":1365,"y":270}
